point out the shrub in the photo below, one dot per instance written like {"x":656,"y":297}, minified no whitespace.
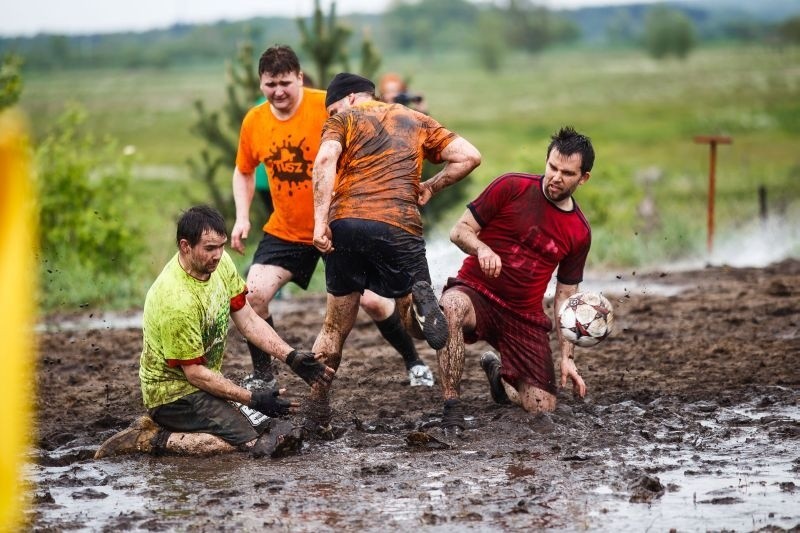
{"x":84,"y":215}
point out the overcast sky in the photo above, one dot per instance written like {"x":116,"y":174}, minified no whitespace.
{"x":28,"y":17}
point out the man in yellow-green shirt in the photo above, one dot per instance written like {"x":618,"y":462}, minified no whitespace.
{"x":192,"y":407}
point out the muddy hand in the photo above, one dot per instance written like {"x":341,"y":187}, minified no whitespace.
{"x":425,"y":194}
{"x":323,"y":240}
{"x":569,"y":370}
{"x":312,"y":371}
{"x":268,"y":402}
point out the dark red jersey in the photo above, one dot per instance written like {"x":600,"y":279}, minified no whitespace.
{"x":532,"y":236}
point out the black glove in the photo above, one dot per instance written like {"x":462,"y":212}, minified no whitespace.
{"x":307,"y":367}
{"x":267,"y":402}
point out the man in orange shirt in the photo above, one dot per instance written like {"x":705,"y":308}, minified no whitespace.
{"x":367,"y":194}
{"x":284,"y":134}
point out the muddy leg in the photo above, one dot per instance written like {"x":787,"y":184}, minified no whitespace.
{"x":340,"y":315}
{"x":197,"y":444}
{"x":533,"y":399}
{"x":458,"y":310}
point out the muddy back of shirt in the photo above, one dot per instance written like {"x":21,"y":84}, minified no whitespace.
{"x":378,"y":175}
{"x":288,"y":149}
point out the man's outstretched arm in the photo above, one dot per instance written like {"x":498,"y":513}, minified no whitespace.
{"x":460,"y":158}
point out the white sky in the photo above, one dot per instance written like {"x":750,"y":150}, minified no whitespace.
{"x":28,"y":17}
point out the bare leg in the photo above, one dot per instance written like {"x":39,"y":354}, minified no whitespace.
{"x":263,"y":282}
{"x":460,"y":315}
{"x":377,"y":307}
{"x":340,"y":315}
{"x":533,"y":399}
{"x":198,"y":444}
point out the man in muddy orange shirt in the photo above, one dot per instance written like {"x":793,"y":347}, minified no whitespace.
{"x":284,"y":134}
{"x":367,"y":194}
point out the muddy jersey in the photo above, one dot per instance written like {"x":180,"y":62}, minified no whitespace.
{"x":533,"y":237}
{"x":378,"y":174}
{"x":185,"y":320}
{"x":288,"y":149}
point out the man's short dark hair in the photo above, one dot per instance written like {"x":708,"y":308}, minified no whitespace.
{"x":197,"y":220}
{"x":277,"y":60}
{"x":568,"y":141}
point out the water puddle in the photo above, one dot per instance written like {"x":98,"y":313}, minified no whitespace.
{"x":743,"y":481}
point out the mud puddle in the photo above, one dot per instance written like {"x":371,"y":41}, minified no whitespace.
{"x":696,"y":467}
{"x":691,"y":422}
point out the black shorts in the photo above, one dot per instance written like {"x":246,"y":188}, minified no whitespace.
{"x":200,"y":412}
{"x":376,"y":256}
{"x":299,"y":259}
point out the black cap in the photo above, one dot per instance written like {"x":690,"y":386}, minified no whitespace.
{"x":345,"y":83}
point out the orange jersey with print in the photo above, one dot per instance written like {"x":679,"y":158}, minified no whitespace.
{"x":378,"y":173}
{"x":288,"y":149}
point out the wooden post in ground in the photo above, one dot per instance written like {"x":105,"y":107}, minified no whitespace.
{"x":712,"y":141}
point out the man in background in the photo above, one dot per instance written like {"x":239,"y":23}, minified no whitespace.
{"x":284,"y":134}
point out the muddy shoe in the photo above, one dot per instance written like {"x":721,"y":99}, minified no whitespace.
{"x":137,"y":438}
{"x":453,"y":418}
{"x":429,"y":315}
{"x":420,"y":376}
{"x":490,"y":363}
{"x":316,"y":416}
{"x":260,"y":382}
{"x":280,"y":440}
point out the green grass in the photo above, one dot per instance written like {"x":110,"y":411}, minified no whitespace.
{"x":641,"y":114}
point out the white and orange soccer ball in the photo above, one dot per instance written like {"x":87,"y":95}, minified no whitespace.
{"x":586,"y":318}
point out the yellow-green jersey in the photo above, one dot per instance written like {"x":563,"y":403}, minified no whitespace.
{"x":185,"y":321}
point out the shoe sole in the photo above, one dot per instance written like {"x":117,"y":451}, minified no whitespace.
{"x":429,"y":316}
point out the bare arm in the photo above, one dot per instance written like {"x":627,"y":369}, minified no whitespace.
{"x":244,"y":187}
{"x":324,"y":176}
{"x":215,"y":384}
{"x":257,"y":331}
{"x":568,"y":368}
{"x":460,"y":159}
{"x":465,"y":235}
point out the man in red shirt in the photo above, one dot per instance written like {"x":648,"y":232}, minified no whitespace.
{"x":519,"y":230}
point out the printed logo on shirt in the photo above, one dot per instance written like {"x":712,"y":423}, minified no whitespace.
{"x":289,"y":164}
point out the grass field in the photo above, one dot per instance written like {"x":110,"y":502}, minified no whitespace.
{"x":642,"y":115}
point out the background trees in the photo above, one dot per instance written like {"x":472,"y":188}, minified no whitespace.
{"x":668,"y":32}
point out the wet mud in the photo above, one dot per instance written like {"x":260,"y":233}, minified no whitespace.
{"x":691,"y":423}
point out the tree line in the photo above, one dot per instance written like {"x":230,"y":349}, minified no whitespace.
{"x":486,"y":30}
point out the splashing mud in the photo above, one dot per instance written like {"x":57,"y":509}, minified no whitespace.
{"x":691,"y":423}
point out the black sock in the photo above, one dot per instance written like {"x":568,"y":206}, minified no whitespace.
{"x":262,"y":361}
{"x":393,"y":331}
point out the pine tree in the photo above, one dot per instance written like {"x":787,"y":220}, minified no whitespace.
{"x":220,"y":129}
{"x":325,"y":41}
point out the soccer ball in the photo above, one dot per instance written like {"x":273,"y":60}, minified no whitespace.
{"x":586,"y":318}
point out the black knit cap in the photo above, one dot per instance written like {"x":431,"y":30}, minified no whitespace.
{"x":344,"y":84}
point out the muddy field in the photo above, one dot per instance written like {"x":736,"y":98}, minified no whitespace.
{"x":691,"y":423}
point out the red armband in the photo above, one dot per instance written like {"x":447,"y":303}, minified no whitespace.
{"x":172,"y":363}
{"x":238,"y":301}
